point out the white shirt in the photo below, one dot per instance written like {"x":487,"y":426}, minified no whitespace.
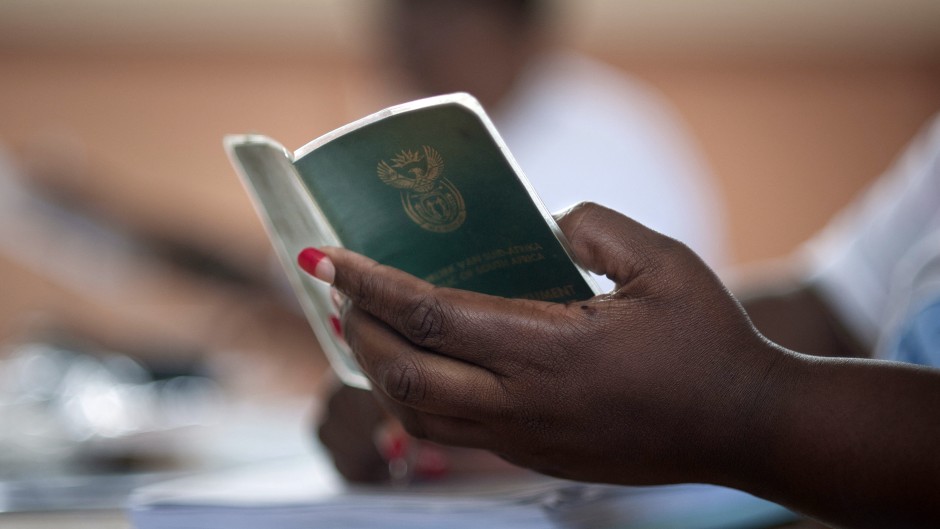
{"x":878,"y":262}
{"x":582,"y":131}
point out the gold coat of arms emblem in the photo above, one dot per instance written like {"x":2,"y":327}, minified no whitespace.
{"x":429,"y":199}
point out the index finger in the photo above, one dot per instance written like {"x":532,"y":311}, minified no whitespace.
{"x":484,"y":330}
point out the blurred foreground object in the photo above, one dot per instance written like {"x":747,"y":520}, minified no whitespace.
{"x":84,"y":428}
{"x":80,"y":428}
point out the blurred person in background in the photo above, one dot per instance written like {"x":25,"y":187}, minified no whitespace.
{"x":869,"y":284}
{"x":579,"y":129}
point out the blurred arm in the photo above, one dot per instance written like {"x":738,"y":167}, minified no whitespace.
{"x":795,"y":316}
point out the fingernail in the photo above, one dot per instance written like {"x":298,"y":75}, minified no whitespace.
{"x":394,"y":446}
{"x":337,"y":325}
{"x":432,"y":463}
{"x":317,"y":264}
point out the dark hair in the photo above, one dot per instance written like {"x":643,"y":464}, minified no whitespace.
{"x":525,"y":12}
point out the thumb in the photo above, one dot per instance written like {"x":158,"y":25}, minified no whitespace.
{"x":609,"y":243}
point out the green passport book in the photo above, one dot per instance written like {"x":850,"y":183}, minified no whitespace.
{"x":427,"y":187}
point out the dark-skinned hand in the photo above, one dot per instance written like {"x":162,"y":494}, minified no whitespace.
{"x":353,"y":428}
{"x":663,"y":380}
{"x":348,"y":428}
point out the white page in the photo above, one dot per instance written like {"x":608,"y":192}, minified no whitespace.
{"x":307,"y":493}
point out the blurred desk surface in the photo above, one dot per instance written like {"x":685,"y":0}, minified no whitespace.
{"x":67,"y":520}
{"x":246,"y":435}
{"x":118,"y":520}
{"x":243,"y":433}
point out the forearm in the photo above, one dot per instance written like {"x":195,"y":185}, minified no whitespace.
{"x":855,"y":443}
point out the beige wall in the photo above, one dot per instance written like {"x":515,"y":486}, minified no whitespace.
{"x":789,"y":141}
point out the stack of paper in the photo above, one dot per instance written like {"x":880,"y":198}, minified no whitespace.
{"x":308,"y":494}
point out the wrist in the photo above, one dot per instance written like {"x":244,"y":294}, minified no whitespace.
{"x":756,"y":411}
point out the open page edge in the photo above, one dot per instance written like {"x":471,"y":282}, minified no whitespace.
{"x":339,"y":355}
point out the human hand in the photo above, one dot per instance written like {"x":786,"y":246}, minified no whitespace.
{"x":361,"y":437}
{"x":348,"y":428}
{"x":659,"y":381}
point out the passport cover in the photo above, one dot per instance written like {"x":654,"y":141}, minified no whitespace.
{"x":427,"y":187}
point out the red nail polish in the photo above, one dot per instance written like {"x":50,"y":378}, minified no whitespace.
{"x":309,"y":258}
{"x":337,"y":300}
{"x":395,"y":447}
{"x":337,"y":325}
{"x":317,"y":264}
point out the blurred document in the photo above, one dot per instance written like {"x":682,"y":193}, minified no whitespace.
{"x":307,"y":493}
